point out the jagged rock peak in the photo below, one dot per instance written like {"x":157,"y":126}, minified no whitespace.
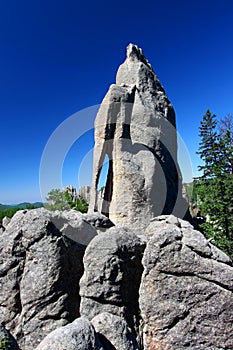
{"x":135,"y":129}
{"x":134,"y":52}
{"x":137,"y":71}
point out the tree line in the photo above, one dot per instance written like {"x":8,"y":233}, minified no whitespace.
{"x":213,"y":189}
{"x":10,"y":212}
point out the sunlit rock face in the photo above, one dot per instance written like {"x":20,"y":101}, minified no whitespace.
{"x":135,"y":130}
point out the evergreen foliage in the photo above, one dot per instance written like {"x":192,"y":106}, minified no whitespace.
{"x":61,"y":200}
{"x":215,"y":186}
{"x":10,"y":211}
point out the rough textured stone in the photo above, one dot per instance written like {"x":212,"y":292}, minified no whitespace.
{"x":165,"y":222}
{"x":2,"y":229}
{"x":113,"y":332}
{"x":135,"y":129}
{"x":71,"y":192}
{"x":79,"y":335}
{"x":5,"y":221}
{"x":73,"y":224}
{"x":84,"y":192}
{"x":7,"y":341}
{"x":186,"y":298}
{"x":112,"y":274}
{"x":39,"y":277}
{"x":99,"y":221}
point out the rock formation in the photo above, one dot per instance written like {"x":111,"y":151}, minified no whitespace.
{"x":135,"y":129}
{"x":40,"y":270}
{"x":75,"y":281}
{"x":186,"y":298}
{"x":112,"y":275}
{"x":163,"y":288}
{"x":99,"y":221}
{"x":105,"y":332}
{"x":78,"y":335}
{"x":114,"y":332}
{"x":5,"y":221}
{"x":84,"y":192}
{"x":2,"y":229}
{"x":71,"y":192}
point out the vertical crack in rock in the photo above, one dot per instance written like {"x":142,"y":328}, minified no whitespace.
{"x":136,"y":129}
{"x":112,"y":276}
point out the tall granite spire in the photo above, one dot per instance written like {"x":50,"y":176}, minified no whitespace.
{"x":135,"y":128}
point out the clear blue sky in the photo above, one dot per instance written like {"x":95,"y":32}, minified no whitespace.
{"x":58,"y":57}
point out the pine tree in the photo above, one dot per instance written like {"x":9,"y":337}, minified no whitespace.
{"x":208,"y":144}
{"x":57,"y":200}
{"x":215,"y":185}
{"x":61,"y":200}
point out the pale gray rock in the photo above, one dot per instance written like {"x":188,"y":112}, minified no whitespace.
{"x":99,"y":221}
{"x":2,"y":229}
{"x":135,"y":129}
{"x":165,"y":221}
{"x":186,"y":293}
{"x":5,"y":221}
{"x":84,"y":192}
{"x":79,"y":335}
{"x":7,"y":341}
{"x":112,"y":275}
{"x":71,"y":192}
{"x":40,"y":269}
{"x":114,"y":332}
{"x":73,"y":224}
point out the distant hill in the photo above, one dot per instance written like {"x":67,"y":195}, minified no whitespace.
{"x":10,"y":210}
{"x":23,"y":205}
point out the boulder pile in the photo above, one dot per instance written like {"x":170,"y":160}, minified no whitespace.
{"x":163,"y":288}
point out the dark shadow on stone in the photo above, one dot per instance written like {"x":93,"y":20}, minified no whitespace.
{"x":107,"y":345}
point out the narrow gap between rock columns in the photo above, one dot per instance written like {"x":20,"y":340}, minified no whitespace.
{"x":105,"y":185}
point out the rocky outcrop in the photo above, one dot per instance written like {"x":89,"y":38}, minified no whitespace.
{"x":155,"y":284}
{"x":135,"y":129}
{"x":84,"y":192}
{"x":40,"y":270}
{"x":104,"y":332}
{"x":114,"y":332}
{"x":78,"y":335}
{"x":164,"y":288}
{"x":112,"y":275}
{"x":74,"y":225}
{"x":99,"y":221}
{"x":2,"y":229}
{"x":71,"y":192}
{"x":5,"y":221}
{"x":186,"y":298}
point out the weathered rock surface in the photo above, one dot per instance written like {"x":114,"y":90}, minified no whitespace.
{"x":7,"y":341}
{"x":135,"y":129}
{"x":114,"y":333}
{"x":74,"y":225}
{"x":99,"y":221}
{"x":5,"y":221}
{"x":79,"y":335}
{"x":112,"y":275}
{"x":181,"y":300}
{"x":2,"y":229}
{"x":39,"y":277}
{"x":186,"y":297}
{"x":71,"y":192}
{"x":84,"y":192}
